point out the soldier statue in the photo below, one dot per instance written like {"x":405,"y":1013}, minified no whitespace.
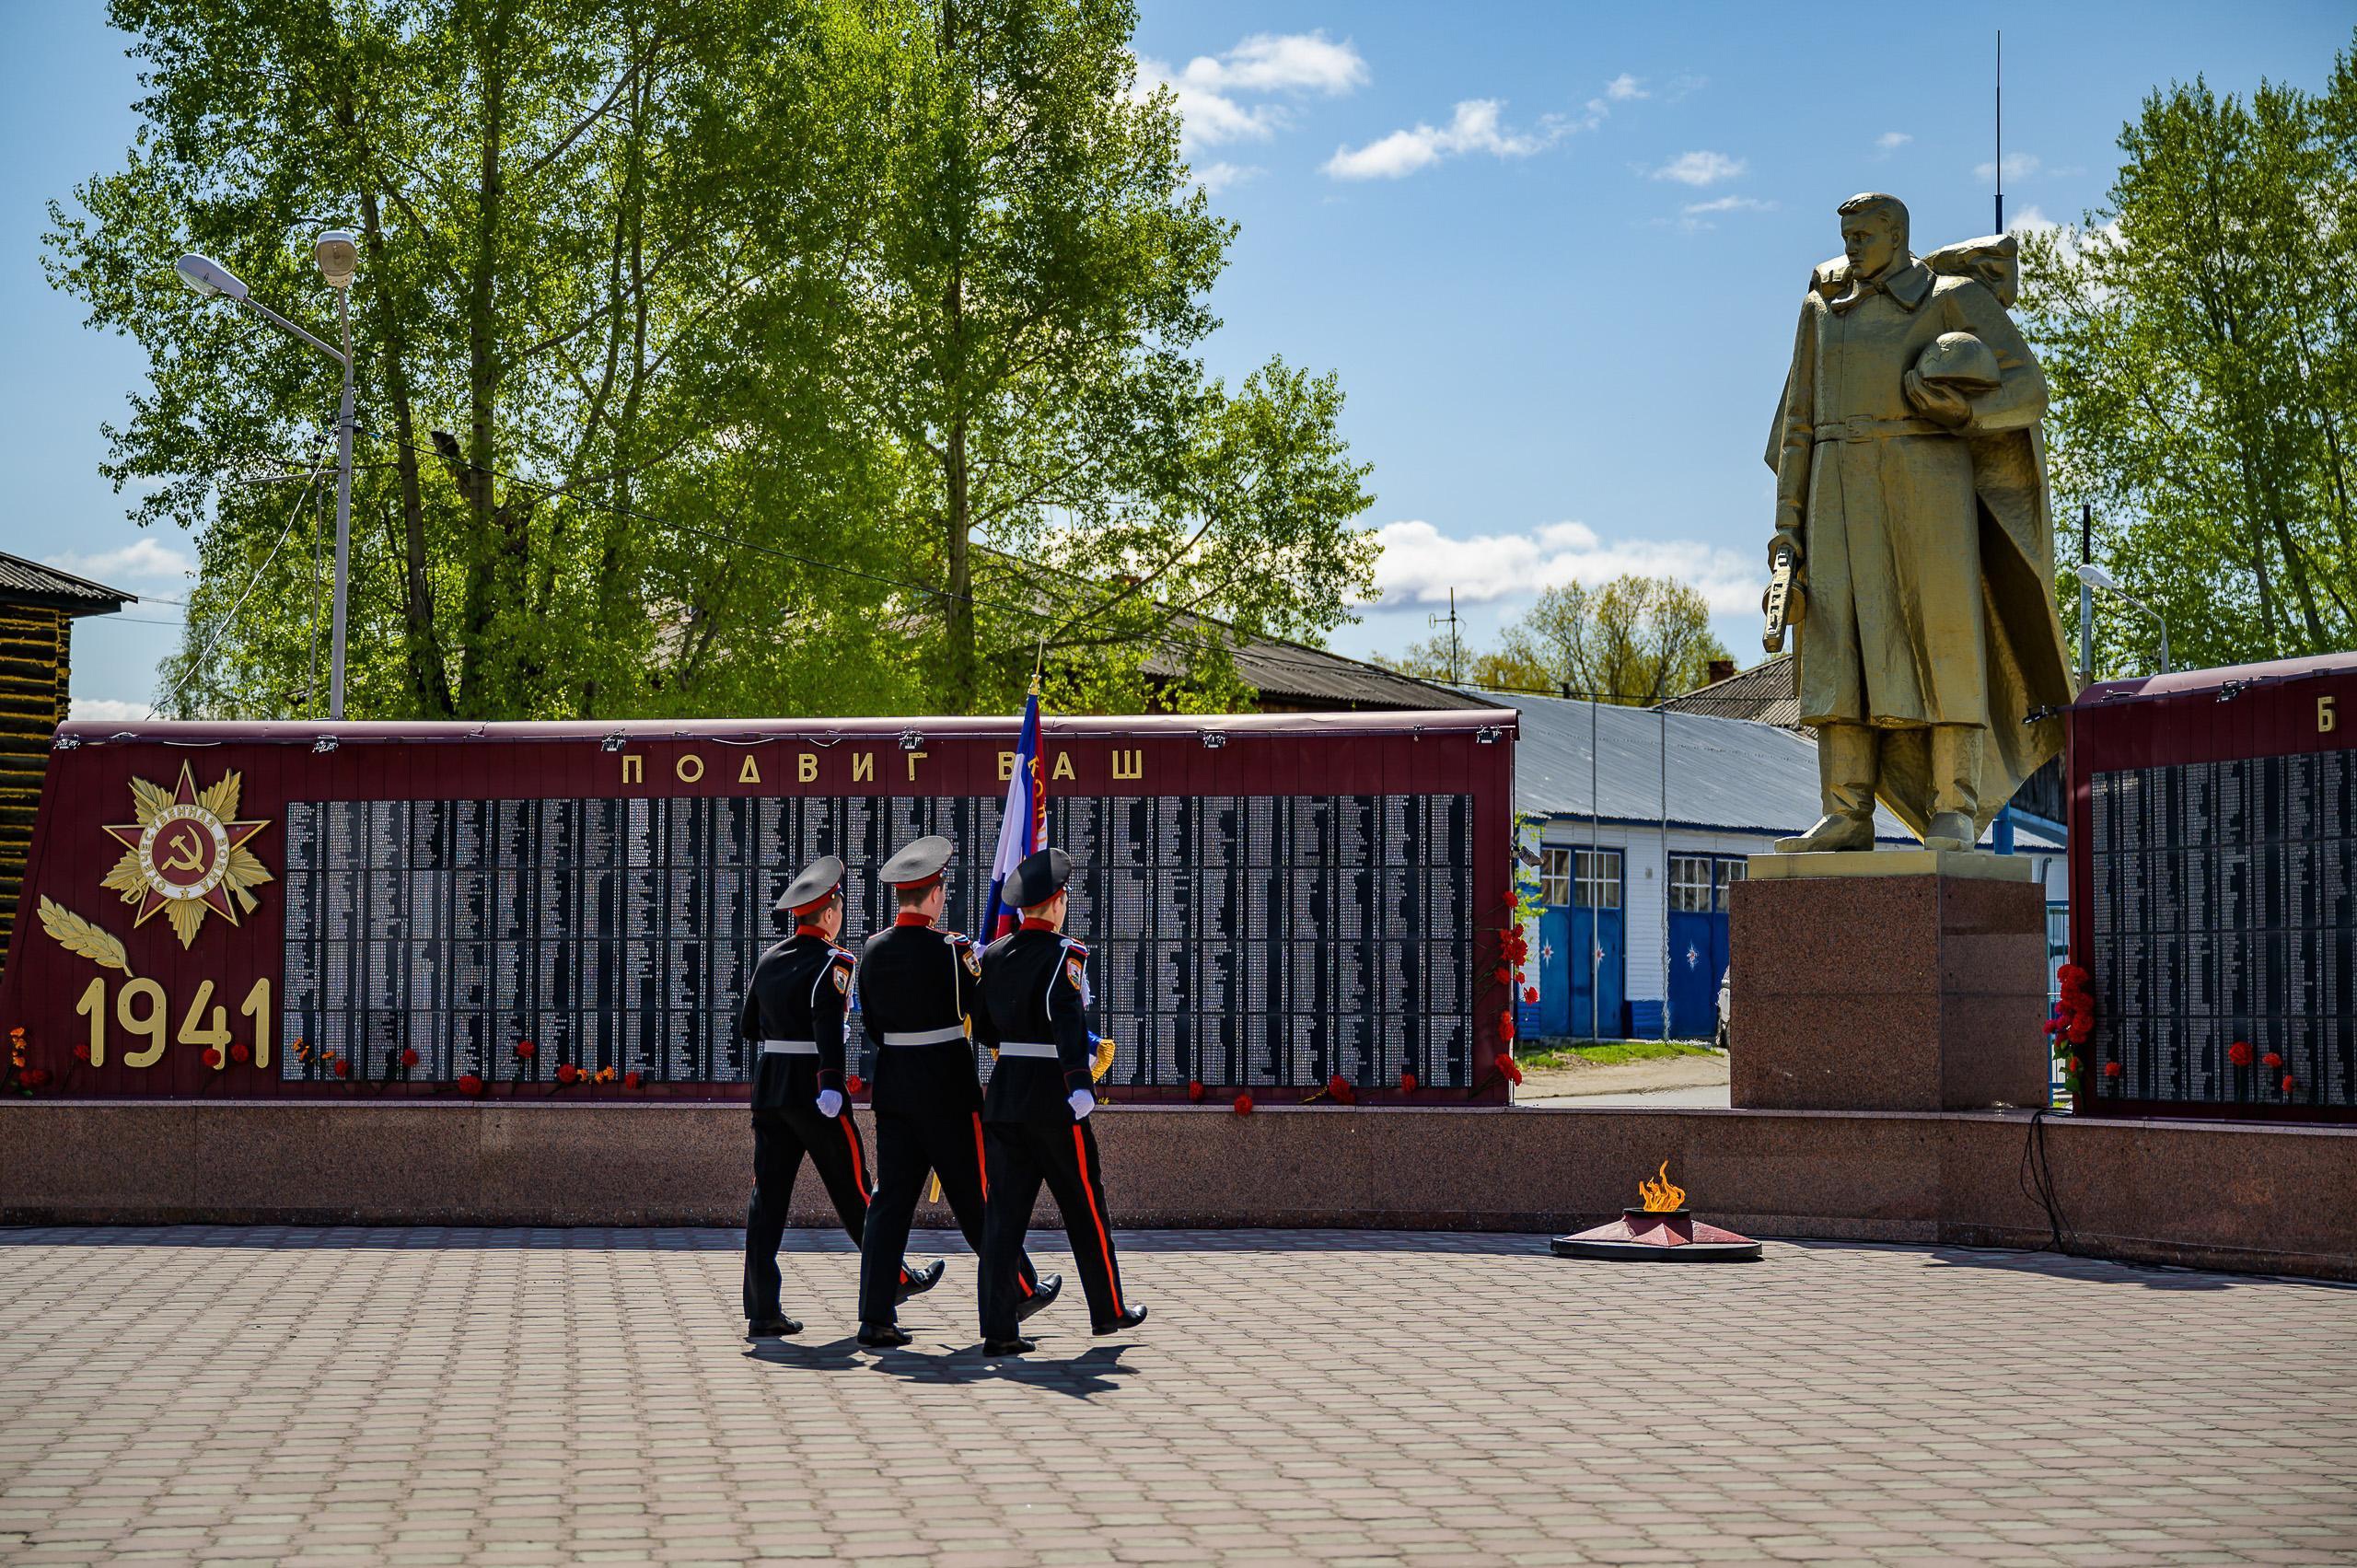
{"x":1911,"y":518}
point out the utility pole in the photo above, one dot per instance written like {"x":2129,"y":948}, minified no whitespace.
{"x":2087,"y":595}
{"x":1450,"y":621}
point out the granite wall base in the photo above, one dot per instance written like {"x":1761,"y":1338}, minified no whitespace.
{"x":2276,"y":1200}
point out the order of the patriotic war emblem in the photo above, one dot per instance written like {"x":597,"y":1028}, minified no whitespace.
{"x":186,"y":854}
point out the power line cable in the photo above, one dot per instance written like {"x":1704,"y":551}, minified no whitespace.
{"x":230,"y":618}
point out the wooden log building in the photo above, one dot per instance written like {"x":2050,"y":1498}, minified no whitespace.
{"x":38,"y":606}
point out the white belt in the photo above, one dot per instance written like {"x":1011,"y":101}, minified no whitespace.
{"x":924,"y":1037}
{"x":1027,"y":1048}
{"x":789,"y":1048}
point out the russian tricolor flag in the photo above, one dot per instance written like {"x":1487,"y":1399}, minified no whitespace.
{"x":1024,"y":828}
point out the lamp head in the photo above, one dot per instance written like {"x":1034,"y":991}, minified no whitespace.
{"x":339,"y":257}
{"x":208,"y":276}
{"x":2095,"y":576}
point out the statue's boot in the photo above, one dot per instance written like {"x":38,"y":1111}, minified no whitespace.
{"x":1955,"y":787}
{"x":1846,"y":758}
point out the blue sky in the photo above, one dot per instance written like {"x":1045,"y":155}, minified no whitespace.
{"x":1553,"y":252}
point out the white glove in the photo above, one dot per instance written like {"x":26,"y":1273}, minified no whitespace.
{"x":1082,"y":1103}
{"x":830,"y":1103}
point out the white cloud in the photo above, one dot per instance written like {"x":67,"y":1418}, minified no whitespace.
{"x":1731,"y":204}
{"x":1624,"y":86}
{"x":1211,"y":90}
{"x":2019,"y":166}
{"x":1700,"y":169}
{"x":2029,"y":220}
{"x":1216,"y":178}
{"x":1421,"y":565}
{"x":1891,"y":141}
{"x":1474,"y":128}
{"x":113,"y":708}
{"x":146,"y":559}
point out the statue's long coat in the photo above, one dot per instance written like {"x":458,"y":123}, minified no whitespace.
{"x":1927,"y":634}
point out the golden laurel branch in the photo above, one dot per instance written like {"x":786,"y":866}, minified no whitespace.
{"x":79,"y":935}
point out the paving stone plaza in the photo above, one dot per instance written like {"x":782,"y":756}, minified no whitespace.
{"x":278,"y":1395}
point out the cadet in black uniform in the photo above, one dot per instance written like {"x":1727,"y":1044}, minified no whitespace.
{"x":1035,"y":1118}
{"x":917,"y":984}
{"x":796,"y":1009}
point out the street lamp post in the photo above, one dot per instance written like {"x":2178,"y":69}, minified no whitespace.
{"x":338,"y":255}
{"x":2094,"y":575}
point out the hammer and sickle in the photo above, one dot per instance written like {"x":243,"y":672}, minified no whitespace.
{"x":189,"y":851}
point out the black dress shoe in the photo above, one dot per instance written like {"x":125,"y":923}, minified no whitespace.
{"x":1130,"y":1319}
{"x":1043,"y":1292}
{"x":919,"y":1281}
{"x":883,"y":1336}
{"x":1009,"y":1347}
{"x":772,"y":1328}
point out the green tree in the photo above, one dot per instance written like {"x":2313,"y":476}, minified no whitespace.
{"x":2199,"y":333}
{"x":1033,"y":292}
{"x":1635,"y":640}
{"x":668,"y":321}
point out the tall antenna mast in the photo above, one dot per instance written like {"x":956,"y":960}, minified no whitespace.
{"x":2000,"y":131}
{"x":1450,"y":621}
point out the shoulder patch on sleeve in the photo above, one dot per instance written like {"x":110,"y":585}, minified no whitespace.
{"x":1072,"y":973}
{"x":973,"y":961}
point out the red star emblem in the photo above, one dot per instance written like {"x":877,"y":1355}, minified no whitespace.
{"x":183,"y":852}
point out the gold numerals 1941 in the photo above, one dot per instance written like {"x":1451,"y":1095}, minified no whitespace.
{"x":141,"y":1010}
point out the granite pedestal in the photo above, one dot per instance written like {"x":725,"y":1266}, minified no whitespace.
{"x":1888,"y":981}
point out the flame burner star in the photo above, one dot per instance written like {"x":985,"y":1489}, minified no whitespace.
{"x":186,"y":855}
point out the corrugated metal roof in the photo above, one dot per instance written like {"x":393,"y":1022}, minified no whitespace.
{"x":23,"y":578}
{"x":1294,"y":672}
{"x":1726,"y":774}
{"x":1769,"y":692}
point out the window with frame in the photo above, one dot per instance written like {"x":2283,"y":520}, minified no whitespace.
{"x":1730,"y":872}
{"x":1690,"y":887}
{"x":1598,"y":878}
{"x":1554,"y":875}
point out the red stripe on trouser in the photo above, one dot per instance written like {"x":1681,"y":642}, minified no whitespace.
{"x":1097,"y":1214}
{"x":982,"y":1170}
{"x":859,"y":1168}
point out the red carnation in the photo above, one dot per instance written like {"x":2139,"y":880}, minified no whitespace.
{"x":469,"y":1084}
{"x":2074,"y":1064}
{"x":1508,"y":1067}
{"x":1195,"y":1090}
{"x":1505,"y":1024}
{"x":2080,"y":1029}
{"x":37,"y":1077}
{"x":238,"y":1052}
{"x":81,"y":1053}
{"x":566,"y":1072}
{"x":2289,"y":1083}
{"x":212,"y":1056}
{"x":2111,"y":1069}
{"x":853,"y":1083}
{"x":525,"y":1049}
{"x":343,"y":1069}
{"x":1512,"y":897}
{"x":1407,"y":1083}
{"x":1504,"y":974}
{"x":630,"y":1079}
{"x":1530,"y":993}
{"x":1342,"y":1089}
{"x":408,"y":1057}
{"x":1244,"y":1105}
{"x":2272,"y":1059}
{"x":2239,"y":1053}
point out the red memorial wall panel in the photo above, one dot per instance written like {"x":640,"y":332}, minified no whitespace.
{"x":2213,"y":891}
{"x":573,"y":909}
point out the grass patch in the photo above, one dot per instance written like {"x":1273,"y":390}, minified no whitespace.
{"x":1611,"y":1052}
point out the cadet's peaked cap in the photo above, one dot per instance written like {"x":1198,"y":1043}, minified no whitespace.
{"x":817,"y":884}
{"x":919,"y":863}
{"x":1038,"y":878}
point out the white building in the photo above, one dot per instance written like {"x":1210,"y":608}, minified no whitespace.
{"x":1641,"y":820}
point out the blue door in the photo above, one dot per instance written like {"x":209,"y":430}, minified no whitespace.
{"x":1599,"y":962}
{"x":1698,"y":940}
{"x":1553,"y":1016}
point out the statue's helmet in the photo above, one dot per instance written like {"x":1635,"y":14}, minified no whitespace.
{"x":1961,"y":361}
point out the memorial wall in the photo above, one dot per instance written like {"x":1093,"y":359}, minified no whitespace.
{"x":2215,"y":868}
{"x":1268,"y":902}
